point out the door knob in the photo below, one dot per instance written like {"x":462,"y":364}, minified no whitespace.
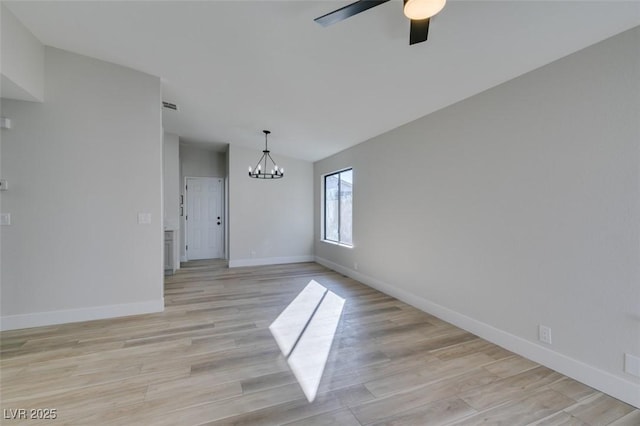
{"x":218,"y":223}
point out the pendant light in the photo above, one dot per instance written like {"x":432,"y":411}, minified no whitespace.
{"x":264,"y":169}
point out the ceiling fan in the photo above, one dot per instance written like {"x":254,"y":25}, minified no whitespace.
{"x":419,"y":11}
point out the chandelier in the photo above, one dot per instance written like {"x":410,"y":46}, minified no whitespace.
{"x":260,"y":170}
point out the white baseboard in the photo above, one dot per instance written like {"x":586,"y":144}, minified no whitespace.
{"x":236,"y":263}
{"x":38,"y":319}
{"x":615,"y":386}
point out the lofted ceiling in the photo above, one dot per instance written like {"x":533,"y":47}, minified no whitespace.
{"x":237,"y":67}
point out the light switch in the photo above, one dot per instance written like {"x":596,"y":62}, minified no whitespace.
{"x":144,"y":218}
{"x":5,"y":218}
{"x":4,"y":185}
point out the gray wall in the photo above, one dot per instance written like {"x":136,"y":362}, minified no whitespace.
{"x":271,"y":221}
{"x":81,"y":166}
{"x":514,"y":208}
{"x":201,"y":162}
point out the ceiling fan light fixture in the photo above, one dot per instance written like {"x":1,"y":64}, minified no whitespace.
{"x":422,"y":9}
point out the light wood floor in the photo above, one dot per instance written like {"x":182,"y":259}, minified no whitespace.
{"x":210,"y":359}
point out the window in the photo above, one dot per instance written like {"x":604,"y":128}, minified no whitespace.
{"x":338,"y":202}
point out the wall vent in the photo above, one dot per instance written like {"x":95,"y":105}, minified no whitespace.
{"x":169,"y":105}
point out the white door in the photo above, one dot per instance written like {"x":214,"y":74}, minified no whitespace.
{"x":204,"y":220}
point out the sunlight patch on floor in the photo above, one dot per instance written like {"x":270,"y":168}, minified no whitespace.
{"x":304,"y":332}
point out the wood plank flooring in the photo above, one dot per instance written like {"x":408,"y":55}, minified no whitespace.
{"x":209,"y":358}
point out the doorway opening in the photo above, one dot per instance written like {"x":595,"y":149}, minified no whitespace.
{"x":204,"y":219}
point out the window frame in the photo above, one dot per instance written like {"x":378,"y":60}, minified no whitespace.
{"x":339,"y":215}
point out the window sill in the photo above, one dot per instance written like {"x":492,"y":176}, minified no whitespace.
{"x":335,"y":243}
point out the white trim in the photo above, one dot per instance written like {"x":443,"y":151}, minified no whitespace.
{"x":335,"y":243}
{"x":38,"y":319}
{"x":226,"y":212}
{"x":237,"y":263}
{"x":606,"y":382}
{"x":322,"y":212}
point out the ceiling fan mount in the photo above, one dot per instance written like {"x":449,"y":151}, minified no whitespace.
{"x":418,"y":11}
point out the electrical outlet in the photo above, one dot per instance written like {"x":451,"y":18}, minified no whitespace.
{"x":5,"y":219}
{"x":544,"y":334}
{"x":632,"y":365}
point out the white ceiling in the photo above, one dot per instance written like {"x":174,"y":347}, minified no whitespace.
{"x":237,"y":67}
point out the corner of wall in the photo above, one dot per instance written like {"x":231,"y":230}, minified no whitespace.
{"x":22,"y":60}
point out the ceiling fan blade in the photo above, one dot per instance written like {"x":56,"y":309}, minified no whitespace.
{"x":419,"y":31}
{"x":347,"y":11}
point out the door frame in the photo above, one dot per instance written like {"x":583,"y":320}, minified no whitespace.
{"x":183,"y":214}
